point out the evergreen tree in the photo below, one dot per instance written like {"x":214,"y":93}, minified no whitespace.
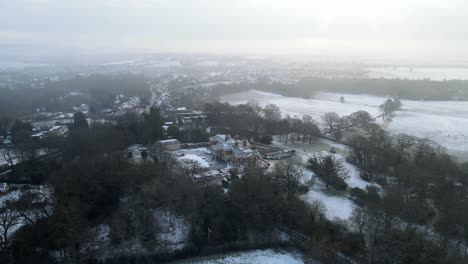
{"x":79,"y":120}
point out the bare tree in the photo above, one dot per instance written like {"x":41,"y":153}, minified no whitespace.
{"x":331,"y":121}
{"x":32,"y":206}
{"x":4,"y":124}
{"x":290,"y":174}
{"x":360,"y":118}
{"x":256,"y":108}
{"x":389,"y":107}
{"x":367,"y":224}
{"x":9,"y":219}
{"x":306,"y":124}
{"x":120,"y":225}
{"x":9,"y":155}
{"x":272,"y":112}
{"x":404,"y":143}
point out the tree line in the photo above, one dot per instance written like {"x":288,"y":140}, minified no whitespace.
{"x":396,"y":88}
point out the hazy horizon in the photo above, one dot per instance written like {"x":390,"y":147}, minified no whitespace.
{"x":433,"y":30}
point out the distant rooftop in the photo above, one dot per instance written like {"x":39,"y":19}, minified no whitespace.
{"x":168,"y":141}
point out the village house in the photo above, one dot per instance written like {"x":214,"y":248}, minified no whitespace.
{"x":277,"y":153}
{"x":168,"y":145}
{"x":237,"y":153}
{"x":212,"y":177}
{"x":57,"y":130}
{"x":213,"y":162}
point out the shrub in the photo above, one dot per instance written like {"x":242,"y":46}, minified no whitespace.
{"x":266,"y":139}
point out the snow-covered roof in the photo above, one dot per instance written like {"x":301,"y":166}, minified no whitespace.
{"x":221,"y":138}
{"x":3,"y":187}
{"x":211,"y":174}
{"x":193,"y":160}
{"x":55,"y":128}
{"x":169,"y":141}
{"x":241,"y":152}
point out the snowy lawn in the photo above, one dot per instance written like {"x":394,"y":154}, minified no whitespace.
{"x":267,"y":256}
{"x":336,"y":203}
{"x":337,"y":206}
{"x":297,"y":107}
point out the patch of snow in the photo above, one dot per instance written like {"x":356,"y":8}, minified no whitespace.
{"x":173,"y":229}
{"x":32,"y":214}
{"x":4,"y":157}
{"x":10,"y":196}
{"x":133,"y":102}
{"x":267,"y":256}
{"x":193,"y":160}
{"x":337,"y":206}
{"x":103,"y":232}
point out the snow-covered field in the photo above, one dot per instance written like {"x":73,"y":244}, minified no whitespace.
{"x":445,"y":122}
{"x":267,"y":256}
{"x":436,"y":74}
{"x":298,"y":106}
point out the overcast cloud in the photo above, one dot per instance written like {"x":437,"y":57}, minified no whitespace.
{"x":334,"y":27}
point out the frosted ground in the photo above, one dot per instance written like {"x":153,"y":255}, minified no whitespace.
{"x":435,"y":74}
{"x":336,"y":203}
{"x":35,"y":214}
{"x":249,"y":257}
{"x":173,"y":234}
{"x":445,"y":122}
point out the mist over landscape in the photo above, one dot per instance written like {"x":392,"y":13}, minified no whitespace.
{"x":250,"y":131}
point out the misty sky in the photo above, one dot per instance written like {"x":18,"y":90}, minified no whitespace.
{"x":373,"y":28}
